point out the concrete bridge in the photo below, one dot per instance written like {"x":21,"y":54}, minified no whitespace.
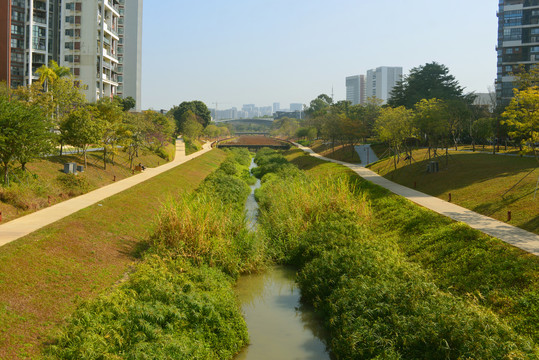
{"x":254,"y":143}
{"x":260,"y":121}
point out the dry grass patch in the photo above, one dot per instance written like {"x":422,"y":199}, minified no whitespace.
{"x":491,"y":185}
{"x":45,"y":183}
{"x":345,"y":153}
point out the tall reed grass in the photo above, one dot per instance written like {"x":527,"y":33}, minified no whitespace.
{"x":179,"y":302}
{"x":374,"y":301}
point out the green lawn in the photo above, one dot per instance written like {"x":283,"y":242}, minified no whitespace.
{"x":488,"y":184}
{"x":44,"y":275}
{"x":345,"y":153}
{"x":40,"y":185}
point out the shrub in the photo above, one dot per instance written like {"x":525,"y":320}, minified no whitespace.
{"x":73,"y":184}
{"x":168,"y":309}
{"x":373,"y":300}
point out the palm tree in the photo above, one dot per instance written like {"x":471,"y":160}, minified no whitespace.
{"x":48,"y":74}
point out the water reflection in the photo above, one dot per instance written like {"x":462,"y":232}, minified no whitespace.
{"x":251,"y":206}
{"x":279,"y":327}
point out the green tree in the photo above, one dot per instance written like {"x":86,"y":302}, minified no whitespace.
{"x":395,"y":126}
{"x":24,"y":133}
{"x":191,"y":128}
{"x":458,"y":113}
{"x":127,"y":103}
{"x":111,"y":114}
{"x":212,"y":131}
{"x":317,"y":110}
{"x":82,"y":128}
{"x":430,"y":81}
{"x":198,"y":108}
{"x":431,"y":121}
{"x":522,"y":116}
{"x":481,"y":130}
{"x":49,"y":74}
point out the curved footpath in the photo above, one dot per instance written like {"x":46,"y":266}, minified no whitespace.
{"x":517,"y":237}
{"x":22,"y":226}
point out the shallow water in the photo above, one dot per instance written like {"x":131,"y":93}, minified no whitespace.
{"x":251,"y":206}
{"x":279,"y":326}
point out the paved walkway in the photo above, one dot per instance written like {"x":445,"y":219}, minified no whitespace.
{"x":522,"y":239}
{"x":22,"y":226}
{"x":366,"y":154}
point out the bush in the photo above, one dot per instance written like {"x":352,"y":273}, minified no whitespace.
{"x":72,"y":184}
{"x":179,"y":302}
{"x":373,"y":300}
{"x":168,"y":309}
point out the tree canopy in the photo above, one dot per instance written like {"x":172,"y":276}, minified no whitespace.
{"x":429,"y":81}
{"x":24,"y":133}
{"x":198,"y":108}
{"x":522,"y":115}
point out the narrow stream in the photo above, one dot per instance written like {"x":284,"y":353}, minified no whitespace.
{"x":279,"y":326}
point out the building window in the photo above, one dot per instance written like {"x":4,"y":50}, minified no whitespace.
{"x":69,"y":45}
{"x":509,"y":51}
{"x":17,"y":15}
{"x":17,"y":57}
{"x":512,"y":34}
{"x":17,"y":30}
{"x":70,"y":19}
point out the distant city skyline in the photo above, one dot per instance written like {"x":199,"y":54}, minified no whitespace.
{"x":239,"y":52}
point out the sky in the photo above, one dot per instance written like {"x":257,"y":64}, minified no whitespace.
{"x":235,"y":52}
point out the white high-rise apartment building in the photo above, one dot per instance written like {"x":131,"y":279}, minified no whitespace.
{"x":355,"y":89}
{"x":101,"y":42}
{"x":381,"y":81}
{"x":90,"y":45}
{"x":130,"y":50}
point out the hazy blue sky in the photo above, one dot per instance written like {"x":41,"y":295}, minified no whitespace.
{"x":237,"y":52}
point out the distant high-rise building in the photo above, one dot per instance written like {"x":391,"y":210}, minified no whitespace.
{"x":355,"y":89}
{"x":130,"y":50}
{"x":296,"y":107}
{"x":276,"y":107}
{"x":381,"y":81}
{"x":518,"y":42}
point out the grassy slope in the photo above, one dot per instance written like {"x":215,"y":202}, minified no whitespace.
{"x":43,"y":274}
{"x":476,"y":182}
{"x":33,"y":194}
{"x":343,"y":153}
{"x":463,"y":261}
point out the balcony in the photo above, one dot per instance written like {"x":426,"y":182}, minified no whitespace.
{"x":112,"y":6}
{"x":40,"y":20}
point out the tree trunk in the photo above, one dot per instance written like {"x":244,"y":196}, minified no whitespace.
{"x":6,"y":170}
{"x":23,"y":166}
{"x":105,"y":157}
{"x":61,"y":148}
{"x":473,"y":145}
